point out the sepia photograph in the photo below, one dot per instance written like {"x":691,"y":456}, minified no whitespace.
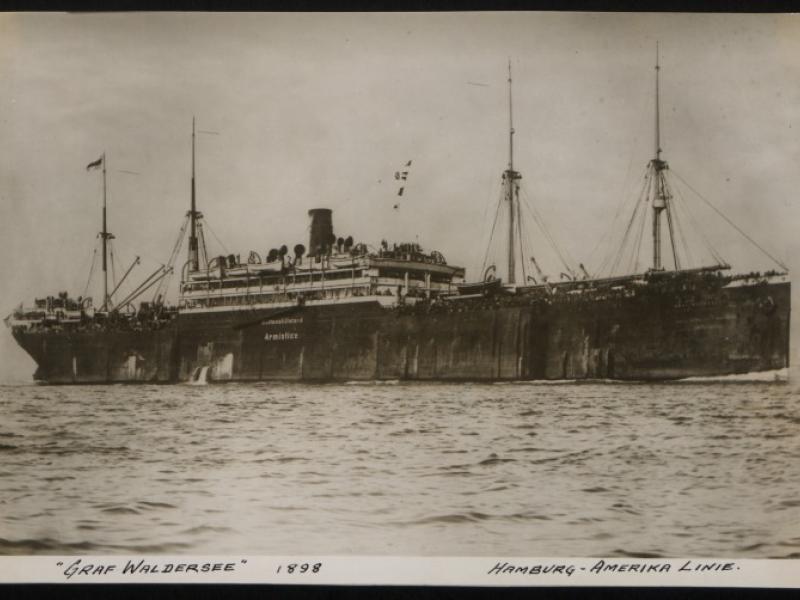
{"x":400,"y":285}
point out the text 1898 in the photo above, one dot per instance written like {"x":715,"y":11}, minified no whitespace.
{"x":294,"y":568}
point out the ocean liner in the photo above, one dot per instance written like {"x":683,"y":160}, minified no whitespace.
{"x":340,"y":310}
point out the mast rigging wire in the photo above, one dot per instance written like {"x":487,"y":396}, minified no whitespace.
{"x":548,"y":236}
{"x":644,"y":193}
{"x":685,"y":205}
{"x":202,"y":242}
{"x":685,"y":242}
{"x":732,"y":224}
{"x":91,"y":271}
{"x":637,"y":246}
{"x":519,"y":235}
{"x":224,"y":249}
{"x":163,"y":284}
{"x":668,"y":204}
{"x":113,"y":269}
{"x":626,"y":197}
{"x":491,"y":234}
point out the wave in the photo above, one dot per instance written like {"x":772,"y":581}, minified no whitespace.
{"x":452,"y":518}
{"x":636,"y":554}
{"x":777,"y":375}
{"x":545,"y":381}
{"x":53,"y":546}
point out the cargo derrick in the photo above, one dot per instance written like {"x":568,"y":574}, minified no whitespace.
{"x":74,"y":341}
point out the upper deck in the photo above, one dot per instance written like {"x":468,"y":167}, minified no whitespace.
{"x":390,"y":276}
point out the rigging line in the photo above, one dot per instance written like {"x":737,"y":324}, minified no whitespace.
{"x":667,"y":194}
{"x":618,"y":256}
{"x":540,"y":221}
{"x":696,"y":227}
{"x":683,"y":234}
{"x":178,"y":247}
{"x":613,"y":226}
{"x":121,"y":257}
{"x":488,"y":244}
{"x":88,"y":259}
{"x":638,"y":244}
{"x":91,"y":271}
{"x":569,"y":261}
{"x":491,"y":235}
{"x":530,"y":247}
{"x":675,"y":260}
{"x":651,"y":192}
{"x":639,"y":203}
{"x":178,"y":243}
{"x":143,"y":255}
{"x":680,"y":239}
{"x":640,"y":220}
{"x":637,"y":199}
{"x":486,"y":206}
{"x":628,"y":186}
{"x":528,"y":241}
{"x":521,"y":250}
{"x":113,"y":263}
{"x":732,"y":224}
{"x":216,"y":238}
{"x":609,"y":231}
{"x":683,"y":239}
{"x":633,"y":260}
{"x":202,"y":240}
{"x":539,"y":224}
{"x":524,"y":251}
{"x":163,"y":285}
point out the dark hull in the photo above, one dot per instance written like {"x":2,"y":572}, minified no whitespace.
{"x":648,"y":337}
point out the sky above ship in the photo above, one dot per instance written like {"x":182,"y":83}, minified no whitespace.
{"x":308,"y":111}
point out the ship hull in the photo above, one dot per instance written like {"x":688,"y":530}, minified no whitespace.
{"x":649,"y":337}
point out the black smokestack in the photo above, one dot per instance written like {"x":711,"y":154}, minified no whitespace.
{"x":321,"y":231}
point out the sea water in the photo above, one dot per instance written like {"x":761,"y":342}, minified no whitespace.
{"x":592,"y":469}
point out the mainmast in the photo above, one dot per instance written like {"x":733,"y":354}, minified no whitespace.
{"x":662,"y":195}
{"x":105,"y":236}
{"x":510,"y":176}
{"x":194,"y":263}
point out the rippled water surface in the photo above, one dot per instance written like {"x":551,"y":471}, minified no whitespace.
{"x":517,"y":469}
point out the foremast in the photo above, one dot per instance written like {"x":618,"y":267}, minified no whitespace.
{"x":105,"y":236}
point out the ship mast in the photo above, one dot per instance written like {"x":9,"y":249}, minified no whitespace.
{"x":105,"y":236}
{"x":194,"y":263}
{"x":510,"y":176}
{"x":662,"y":197}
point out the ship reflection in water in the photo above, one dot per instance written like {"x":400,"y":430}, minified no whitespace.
{"x":685,"y":469}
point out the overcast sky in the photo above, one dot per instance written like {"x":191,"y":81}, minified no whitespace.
{"x":321,"y":110}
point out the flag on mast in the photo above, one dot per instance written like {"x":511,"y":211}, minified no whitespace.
{"x":402,"y":176}
{"x":95,"y":164}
